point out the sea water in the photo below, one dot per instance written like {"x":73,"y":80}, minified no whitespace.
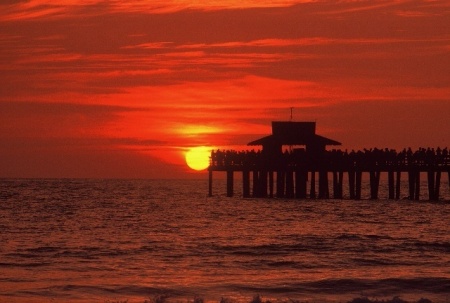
{"x":75,"y":240}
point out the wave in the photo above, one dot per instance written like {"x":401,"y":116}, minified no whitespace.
{"x":338,"y":286}
{"x":393,"y":300}
{"x":384,"y":247}
{"x":431,"y":285}
{"x":24,"y":265}
{"x":328,"y":290}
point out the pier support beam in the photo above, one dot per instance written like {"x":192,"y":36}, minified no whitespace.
{"x":434,"y":184}
{"x":290,"y":184}
{"x":391,"y":182}
{"x":312,"y":192}
{"x":271,"y":184}
{"x":411,"y":183}
{"x":394,"y":184}
{"x":255,"y":185}
{"x":246,"y":183}
{"x":414,"y":184}
{"x":262,"y":184}
{"x":281,"y":176}
{"x":337,"y":184}
{"x":374,"y":184}
{"x":230,"y":184}
{"x":397,"y":185}
{"x":417,"y":197}
{"x":431,"y":180}
{"x":354,"y":179}
{"x":324,"y":192}
{"x":301,"y":179}
{"x":358,"y":185}
{"x":351,"y":184}
{"x":438,"y":185}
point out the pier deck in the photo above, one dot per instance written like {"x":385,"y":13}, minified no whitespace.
{"x":295,"y":169}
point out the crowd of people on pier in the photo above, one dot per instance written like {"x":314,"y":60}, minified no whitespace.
{"x":333,"y":158}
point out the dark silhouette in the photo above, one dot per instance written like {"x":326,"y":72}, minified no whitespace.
{"x":293,"y":165}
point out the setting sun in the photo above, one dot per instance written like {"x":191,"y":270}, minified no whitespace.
{"x":197,"y":158}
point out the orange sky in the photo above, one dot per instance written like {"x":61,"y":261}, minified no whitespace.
{"x":94,"y":88}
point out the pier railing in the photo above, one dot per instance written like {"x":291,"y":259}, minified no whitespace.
{"x":295,"y":168}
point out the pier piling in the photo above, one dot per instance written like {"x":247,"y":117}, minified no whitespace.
{"x":398,"y":185}
{"x":434,"y":183}
{"x":391,"y":182}
{"x":230,"y":183}
{"x":358,"y":185}
{"x":338,"y":184}
{"x":290,"y":184}
{"x":281,"y":176}
{"x":255,"y":183}
{"x":301,"y":179}
{"x":351,"y":183}
{"x":374,"y":184}
{"x":417,"y":186}
{"x":324,"y":191}
{"x":312,"y":192}
{"x":271,"y":184}
{"x":246,"y":183}
{"x":438,"y":185}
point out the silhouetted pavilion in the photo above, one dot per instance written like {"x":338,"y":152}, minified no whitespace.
{"x":288,"y":133}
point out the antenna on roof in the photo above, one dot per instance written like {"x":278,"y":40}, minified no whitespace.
{"x":291,"y":114}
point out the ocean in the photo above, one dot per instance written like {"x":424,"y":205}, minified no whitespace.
{"x":77,"y":240}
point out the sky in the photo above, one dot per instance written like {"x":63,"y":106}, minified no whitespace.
{"x":122,"y":89}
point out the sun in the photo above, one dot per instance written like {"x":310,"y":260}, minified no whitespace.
{"x":197,"y":158}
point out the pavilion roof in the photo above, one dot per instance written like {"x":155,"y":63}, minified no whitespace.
{"x":289,"y":140}
{"x":294,"y":133}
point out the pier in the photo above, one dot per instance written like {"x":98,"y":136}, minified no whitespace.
{"x":274,"y":172}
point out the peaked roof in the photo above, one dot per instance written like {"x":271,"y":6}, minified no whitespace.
{"x":274,"y":140}
{"x":294,"y":133}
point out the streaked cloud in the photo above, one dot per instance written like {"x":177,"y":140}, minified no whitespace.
{"x":155,"y":77}
{"x":32,"y":9}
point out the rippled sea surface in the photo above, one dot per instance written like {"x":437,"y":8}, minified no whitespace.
{"x":73,"y":240}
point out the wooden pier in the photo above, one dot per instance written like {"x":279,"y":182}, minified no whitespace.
{"x":272,"y":172}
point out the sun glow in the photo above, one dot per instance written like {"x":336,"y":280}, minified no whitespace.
{"x":197,"y":158}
